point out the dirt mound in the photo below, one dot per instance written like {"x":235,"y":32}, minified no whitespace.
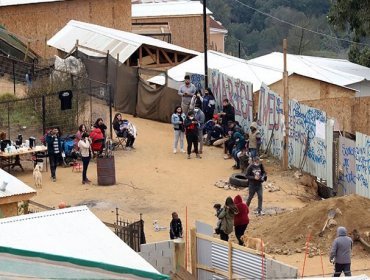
{"x":287,"y":233}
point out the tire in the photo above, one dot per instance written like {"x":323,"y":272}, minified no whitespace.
{"x":239,"y":180}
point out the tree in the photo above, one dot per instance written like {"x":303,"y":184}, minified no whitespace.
{"x":354,"y":16}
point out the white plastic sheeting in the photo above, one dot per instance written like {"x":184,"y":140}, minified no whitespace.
{"x":362,"y":164}
{"x":24,"y":2}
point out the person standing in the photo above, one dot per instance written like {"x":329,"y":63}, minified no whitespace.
{"x":78,"y":136}
{"x":241,"y":220}
{"x":175,"y":226}
{"x":256,"y":174}
{"x":199,"y":117}
{"x":84,"y":146}
{"x":340,"y":253}
{"x":186,"y":91}
{"x":208,"y":104}
{"x":54,"y":150}
{"x":254,"y":140}
{"x":191,"y":132}
{"x":227,"y":218}
{"x":227,"y":114}
{"x":177,"y":120}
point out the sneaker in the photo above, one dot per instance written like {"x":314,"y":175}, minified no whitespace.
{"x":200,"y":152}
{"x":83,"y":182}
{"x":183,"y":151}
{"x":227,"y":157}
{"x":188,"y":156}
{"x":174,"y":151}
{"x":198,"y":156}
{"x":87,"y":181}
{"x":53,"y":179}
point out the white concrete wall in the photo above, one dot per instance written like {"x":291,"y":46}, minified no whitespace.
{"x":161,"y":255}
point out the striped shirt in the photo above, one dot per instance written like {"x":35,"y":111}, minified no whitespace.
{"x":55,"y":145}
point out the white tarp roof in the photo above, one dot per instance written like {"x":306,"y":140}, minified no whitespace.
{"x":71,"y":232}
{"x":14,"y":186}
{"x":232,"y":66}
{"x":24,"y":2}
{"x":174,"y":8}
{"x":105,"y":39}
{"x":335,"y":71}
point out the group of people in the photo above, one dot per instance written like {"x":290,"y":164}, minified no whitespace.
{"x":86,"y":143}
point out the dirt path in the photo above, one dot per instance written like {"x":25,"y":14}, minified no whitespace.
{"x":155,"y":182}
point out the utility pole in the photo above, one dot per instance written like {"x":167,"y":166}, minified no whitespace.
{"x":286,"y":107}
{"x":205,"y":43}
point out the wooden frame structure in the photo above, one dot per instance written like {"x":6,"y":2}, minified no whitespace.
{"x":229,"y":274}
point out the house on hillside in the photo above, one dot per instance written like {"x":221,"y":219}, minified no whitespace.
{"x":12,"y":192}
{"x":37,"y":20}
{"x":70,"y":242}
{"x":336,"y":86}
{"x":177,"y":22}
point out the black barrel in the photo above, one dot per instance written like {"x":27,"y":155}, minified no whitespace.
{"x":106,"y":171}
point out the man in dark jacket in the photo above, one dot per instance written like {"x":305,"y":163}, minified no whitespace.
{"x":175,"y":226}
{"x":256,"y":174}
{"x":340,"y":253}
{"x":227,"y":114}
{"x":54,"y":150}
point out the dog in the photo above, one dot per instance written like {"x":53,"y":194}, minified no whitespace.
{"x":253,"y":243}
{"x":37,"y":176}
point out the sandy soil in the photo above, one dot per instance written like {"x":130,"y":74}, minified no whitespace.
{"x":155,"y":182}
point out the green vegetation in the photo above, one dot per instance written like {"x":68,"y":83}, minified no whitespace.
{"x":260,"y":34}
{"x":353,"y":16}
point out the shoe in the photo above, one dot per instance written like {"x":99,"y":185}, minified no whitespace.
{"x":174,"y":151}
{"x":183,"y":151}
{"x":188,"y":156}
{"x":227,"y":157}
{"x":54,"y":179}
{"x":128,"y":149}
{"x":200,"y":152}
{"x":83,"y":182}
{"x":87,"y":181}
{"x":198,"y":156}
{"x":235,"y":167}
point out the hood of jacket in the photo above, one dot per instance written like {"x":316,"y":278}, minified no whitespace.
{"x":341,"y":231}
{"x":238,"y":199}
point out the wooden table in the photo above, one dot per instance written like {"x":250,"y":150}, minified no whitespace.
{"x":12,"y":159}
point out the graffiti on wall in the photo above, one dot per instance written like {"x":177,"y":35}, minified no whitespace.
{"x":271,"y":121}
{"x":305,"y":148}
{"x":238,"y":92}
{"x":347,"y":165}
{"x":362,"y":164}
{"x":197,"y":80}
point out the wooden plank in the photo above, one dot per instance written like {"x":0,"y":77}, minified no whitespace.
{"x":157,"y":52}
{"x":150,"y":53}
{"x":140,"y":56}
{"x":193,"y":252}
{"x":166,"y":56}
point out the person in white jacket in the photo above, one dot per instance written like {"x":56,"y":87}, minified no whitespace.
{"x":85,"y":150}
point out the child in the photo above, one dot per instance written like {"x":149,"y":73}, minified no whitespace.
{"x":175,"y":226}
{"x":218,"y":209}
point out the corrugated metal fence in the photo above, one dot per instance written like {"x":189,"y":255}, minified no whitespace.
{"x":217,"y":259}
{"x":310,"y":145}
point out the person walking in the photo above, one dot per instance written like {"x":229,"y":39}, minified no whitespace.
{"x":54,"y":150}
{"x":191,"y":132}
{"x":84,"y":146}
{"x":340,"y":253}
{"x":177,"y":120}
{"x":227,"y":218}
{"x":256,"y":174}
{"x":186,"y":91}
{"x":241,"y":220}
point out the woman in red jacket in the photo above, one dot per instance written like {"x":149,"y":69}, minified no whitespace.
{"x":241,"y":220}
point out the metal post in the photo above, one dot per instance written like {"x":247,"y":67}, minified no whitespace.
{"x":9,"y":120}
{"x":205,"y":43}
{"x":110,"y":111}
{"x":43,"y":114}
{"x":239,"y":48}
{"x":286,"y":107}
{"x":117,"y":215}
{"x":90,"y":95}
{"x":13,"y":76}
